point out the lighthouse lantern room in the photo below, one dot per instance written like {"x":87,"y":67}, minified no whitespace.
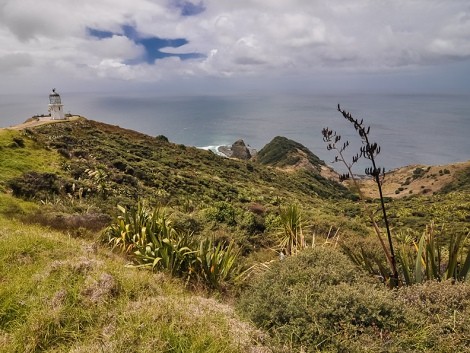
{"x":56,"y":108}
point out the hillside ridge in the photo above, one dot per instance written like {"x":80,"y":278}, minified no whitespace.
{"x":288,"y":155}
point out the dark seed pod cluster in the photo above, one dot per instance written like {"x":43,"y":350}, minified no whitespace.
{"x":369,"y":150}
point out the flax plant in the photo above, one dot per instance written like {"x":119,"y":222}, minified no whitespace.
{"x":216,"y":264}
{"x":369,"y":150}
{"x":430,"y":259}
{"x":292,"y":239}
{"x":149,"y":238}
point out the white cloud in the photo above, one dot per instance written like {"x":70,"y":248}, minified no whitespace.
{"x":238,"y":38}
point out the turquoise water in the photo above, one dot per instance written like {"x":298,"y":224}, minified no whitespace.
{"x":411,"y":129}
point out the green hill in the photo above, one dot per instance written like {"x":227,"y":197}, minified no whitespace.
{"x":62,"y":287}
{"x":282,"y":152}
{"x":136,"y":164}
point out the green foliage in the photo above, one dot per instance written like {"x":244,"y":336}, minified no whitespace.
{"x":59,"y":294}
{"x":291,"y":239}
{"x":222,"y":212}
{"x":36,"y":185}
{"x":319,"y":301}
{"x":21,"y":155}
{"x":461,"y":182}
{"x":283,"y":152}
{"x":109,"y":165}
{"x":216,"y":263}
{"x":149,"y":237}
{"x":432,"y":259}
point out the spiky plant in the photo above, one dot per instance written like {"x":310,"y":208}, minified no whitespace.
{"x":430,"y":258}
{"x":291,"y":237}
{"x":150,"y":239}
{"x":216,"y":263}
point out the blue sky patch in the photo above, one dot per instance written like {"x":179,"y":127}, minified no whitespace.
{"x":188,"y":8}
{"x":152,"y":45}
{"x":99,"y":34}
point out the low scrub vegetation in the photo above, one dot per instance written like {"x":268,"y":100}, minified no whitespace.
{"x":282,"y":152}
{"x":320,"y":301}
{"x":317,"y":271}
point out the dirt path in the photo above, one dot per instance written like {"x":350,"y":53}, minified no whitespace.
{"x":33,"y":122}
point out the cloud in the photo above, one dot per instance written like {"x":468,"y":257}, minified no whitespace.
{"x":147,"y":40}
{"x":11,"y":62}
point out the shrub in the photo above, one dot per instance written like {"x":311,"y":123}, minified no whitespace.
{"x":74,"y":223}
{"x":222,"y":212}
{"x":441,"y":316}
{"x":18,"y":142}
{"x":418,"y":173}
{"x":319,"y":300}
{"x":162,"y":138}
{"x":36,"y":185}
{"x":252,"y":223}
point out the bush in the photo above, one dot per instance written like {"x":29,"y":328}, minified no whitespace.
{"x":162,"y":138}
{"x":441,"y":316}
{"x":307,"y":299}
{"x":36,"y":185}
{"x":222,"y":212}
{"x":318,"y":301}
{"x":18,"y":142}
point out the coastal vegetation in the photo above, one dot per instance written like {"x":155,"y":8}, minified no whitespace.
{"x":115,"y":241}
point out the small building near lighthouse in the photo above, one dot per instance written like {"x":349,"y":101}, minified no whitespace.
{"x":56,"y":108}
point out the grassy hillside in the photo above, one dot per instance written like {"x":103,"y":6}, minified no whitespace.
{"x":63,"y":289}
{"x":59,"y":294}
{"x":136,"y":164}
{"x":422,"y":180}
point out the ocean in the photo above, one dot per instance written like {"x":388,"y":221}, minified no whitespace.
{"x":411,"y":129}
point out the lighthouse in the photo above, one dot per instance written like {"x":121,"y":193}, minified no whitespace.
{"x":56,"y":108}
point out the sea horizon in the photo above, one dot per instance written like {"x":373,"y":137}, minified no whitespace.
{"x":429,"y":129}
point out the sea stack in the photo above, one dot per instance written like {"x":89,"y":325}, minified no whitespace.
{"x":238,"y":150}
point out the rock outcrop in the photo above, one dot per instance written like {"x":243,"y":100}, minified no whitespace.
{"x":238,"y":150}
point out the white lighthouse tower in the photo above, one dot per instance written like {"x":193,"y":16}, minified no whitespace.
{"x":56,"y":108}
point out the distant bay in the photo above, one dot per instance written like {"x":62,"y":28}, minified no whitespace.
{"x":412,"y":129}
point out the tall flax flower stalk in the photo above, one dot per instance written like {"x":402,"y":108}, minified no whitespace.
{"x":369,"y":150}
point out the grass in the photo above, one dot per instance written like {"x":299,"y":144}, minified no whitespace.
{"x":20,"y":154}
{"x":63,"y":294}
{"x":60,"y":293}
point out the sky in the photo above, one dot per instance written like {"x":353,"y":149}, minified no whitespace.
{"x":223,"y":46}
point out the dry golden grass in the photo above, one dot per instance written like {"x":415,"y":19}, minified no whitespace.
{"x":432,"y":180}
